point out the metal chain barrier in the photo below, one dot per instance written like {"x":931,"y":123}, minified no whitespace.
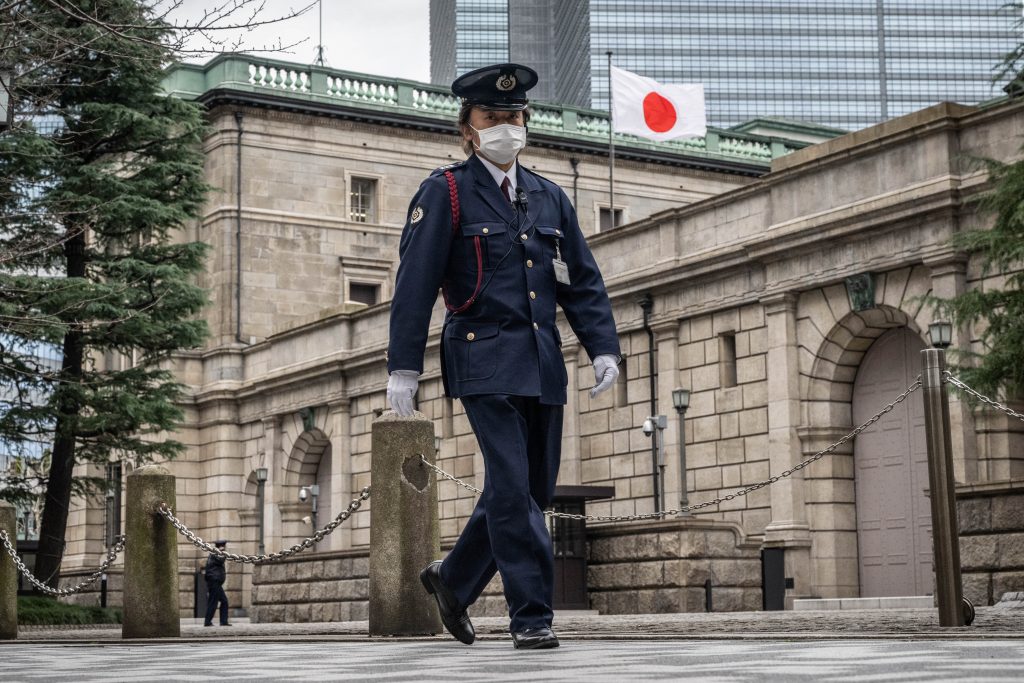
{"x":112,"y":554}
{"x":305,"y":544}
{"x":959,"y":384}
{"x":697,"y":506}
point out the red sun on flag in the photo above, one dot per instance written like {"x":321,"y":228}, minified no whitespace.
{"x":659,"y":114}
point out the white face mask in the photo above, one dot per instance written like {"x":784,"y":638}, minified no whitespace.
{"x":501,"y":143}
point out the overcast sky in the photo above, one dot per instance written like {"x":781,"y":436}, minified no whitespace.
{"x":380,"y":37}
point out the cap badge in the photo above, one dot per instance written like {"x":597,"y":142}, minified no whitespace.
{"x":506,"y":82}
{"x":417,"y":215}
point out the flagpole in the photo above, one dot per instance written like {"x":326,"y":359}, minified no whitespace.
{"x":611,"y":147}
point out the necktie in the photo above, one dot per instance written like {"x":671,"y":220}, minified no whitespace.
{"x":506,"y":189}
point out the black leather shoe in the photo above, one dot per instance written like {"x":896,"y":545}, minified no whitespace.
{"x":535,"y":639}
{"x":457,"y":622}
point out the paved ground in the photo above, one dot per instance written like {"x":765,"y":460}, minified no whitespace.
{"x":991,"y":622}
{"x":590,"y":660}
{"x":863,"y":645}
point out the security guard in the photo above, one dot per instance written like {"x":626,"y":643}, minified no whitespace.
{"x":504,"y":246}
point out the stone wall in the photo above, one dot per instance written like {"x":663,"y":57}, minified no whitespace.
{"x":991,"y":539}
{"x":662,"y":567}
{"x":330,"y":586}
{"x":186,"y":589}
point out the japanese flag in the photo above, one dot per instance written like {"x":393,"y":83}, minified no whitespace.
{"x":658,"y":111}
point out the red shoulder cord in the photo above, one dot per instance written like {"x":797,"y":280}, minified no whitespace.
{"x":453,"y":193}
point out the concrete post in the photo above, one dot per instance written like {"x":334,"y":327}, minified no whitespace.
{"x":8,"y":576}
{"x":151,"y":557}
{"x":945,"y":534}
{"x":403,"y":526}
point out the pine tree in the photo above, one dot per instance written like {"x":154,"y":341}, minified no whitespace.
{"x":97,"y":177}
{"x":996,"y":314}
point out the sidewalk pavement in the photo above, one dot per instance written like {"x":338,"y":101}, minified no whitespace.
{"x":860,"y":646}
{"x":990,"y":622}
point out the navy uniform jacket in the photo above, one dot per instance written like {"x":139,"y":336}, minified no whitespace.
{"x":507,"y":341}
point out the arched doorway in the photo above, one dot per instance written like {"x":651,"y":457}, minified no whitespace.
{"x":891,"y":472}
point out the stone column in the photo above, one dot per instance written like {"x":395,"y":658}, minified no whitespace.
{"x":570,"y":471}
{"x":788,"y":527}
{"x":949,"y":279}
{"x":273,"y":460}
{"x":666,"y":341}
{"x":151,"y":557}
{"x":8,"y":576}
{"x":338,"y":422}
{"x":403,"y":526}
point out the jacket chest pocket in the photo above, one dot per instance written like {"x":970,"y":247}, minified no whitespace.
{"x":493,"y":244}
{"x":548,"y":236}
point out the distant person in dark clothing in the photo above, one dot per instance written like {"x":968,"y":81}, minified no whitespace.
{"x":215,"y":576}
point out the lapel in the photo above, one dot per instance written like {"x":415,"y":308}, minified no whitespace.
{"x":489,"y":192}
{"x":527,"y":180}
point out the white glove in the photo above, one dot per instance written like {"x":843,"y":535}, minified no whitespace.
{"x":402,"y":386}
{"x":606,"y":371}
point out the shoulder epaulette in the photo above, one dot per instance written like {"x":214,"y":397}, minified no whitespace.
{"x":448,"y":167}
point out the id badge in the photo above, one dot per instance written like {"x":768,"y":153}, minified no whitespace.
{"x":561,"y":271}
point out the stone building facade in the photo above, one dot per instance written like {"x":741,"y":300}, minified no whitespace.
{"x":785,"y":287}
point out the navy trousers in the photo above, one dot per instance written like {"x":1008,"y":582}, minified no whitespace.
{"x":215,"y":595}
{"x":521,"y":440}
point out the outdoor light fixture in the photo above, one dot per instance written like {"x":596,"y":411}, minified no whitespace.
{"x":940,"y":333}
{"x":437,"y":444}
{"x":261,"y":474}
{"x":681,"y":399}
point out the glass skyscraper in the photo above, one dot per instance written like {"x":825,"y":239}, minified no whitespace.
{"x":846,"y":64}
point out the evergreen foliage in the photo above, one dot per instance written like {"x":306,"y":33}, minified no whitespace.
{"x":996,"y":314}
{"x":98,"y":176}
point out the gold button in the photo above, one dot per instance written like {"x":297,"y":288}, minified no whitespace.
{"x":529,"y":263}
{"x":470,"y":336}
{"x":536,"y":326}
{"x":524,"y":237}
{"x":533,"y":295}
{"x":486,"y":231}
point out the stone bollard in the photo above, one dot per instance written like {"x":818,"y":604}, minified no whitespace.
{"x":8,"y":576}
{"x":150,"y":558}
{"x":403,"y":526}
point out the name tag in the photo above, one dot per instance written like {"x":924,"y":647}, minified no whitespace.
{"x":561,"y":271}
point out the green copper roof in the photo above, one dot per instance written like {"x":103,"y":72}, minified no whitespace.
{"x":245,"y":74}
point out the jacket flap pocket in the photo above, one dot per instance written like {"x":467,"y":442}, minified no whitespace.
{"x":552,"y":230}
{"x":467,"y":331}
{"x":488,"y":229}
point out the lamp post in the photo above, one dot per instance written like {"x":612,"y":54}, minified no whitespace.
{"x":681,"y":401}
{"x":261,"y":482}
{"x":940,"y":333}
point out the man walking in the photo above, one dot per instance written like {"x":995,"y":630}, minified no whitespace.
{"x":215,"y":576}
{"x":504,"y":246}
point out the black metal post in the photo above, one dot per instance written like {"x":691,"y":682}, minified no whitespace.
{"x":683,"y":498}
{"x":647,"y":304}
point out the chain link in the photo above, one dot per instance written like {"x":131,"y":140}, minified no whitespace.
{"x":698,"y":506}
{"x":305,"y":544}
{"x":112,"y":554}
{"x":959,"y":384}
